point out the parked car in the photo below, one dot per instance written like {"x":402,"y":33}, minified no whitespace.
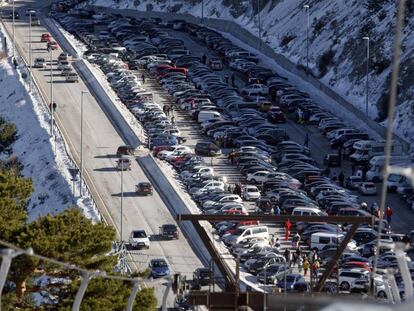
{"x":52,"y":45}
{"x":124,"y":150}
{"x":207,"y":149}
{"x":45,"y":37}
{"x":39,"y":63}
{"x":367,"y":188}
{"x":250,"y":193}
{"x":201,"y":277}
{"x":353,"y":182}
{"x":123,"y":163}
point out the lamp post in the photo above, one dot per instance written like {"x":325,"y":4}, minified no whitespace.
{"x":306,"y":7}
{"x":81,"y":146}
{"x":122,"y":203}
{"x":30,"y":52}
{"x":14,"y":45}
{"x":367,"y":77}
{"x":52,"y":108}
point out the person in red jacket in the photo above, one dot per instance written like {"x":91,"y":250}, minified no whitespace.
{"x":388,"y":213}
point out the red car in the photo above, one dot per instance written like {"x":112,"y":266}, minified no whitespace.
{"x":356,"y":264}
{"x":160,"y":148}
{"x":45,"y":38}
{"x":52,"y":45}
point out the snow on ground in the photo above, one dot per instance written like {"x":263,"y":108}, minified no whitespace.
{"x":43,"y":160}
{"x":335,"y":26}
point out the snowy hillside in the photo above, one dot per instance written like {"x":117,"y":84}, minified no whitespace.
{"x":337,"y":51}
{"x":46,"y":164}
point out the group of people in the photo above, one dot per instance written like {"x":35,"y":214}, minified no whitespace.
{"x":304,"y":262}
{"x":168,"y":109}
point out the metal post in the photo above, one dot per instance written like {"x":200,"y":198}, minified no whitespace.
{"x":30,"y":52}
{"x":86,"y":277}
{"x":164,"y":297}
{"x":81,"y":146}
{"x":132,"y":296}
{"x":52,"y":110}
{"x":7,"y":256}
{"x":307,"y":37}
{"x":122,"y":203}
{"x":367,"y":78}
{"x":202,"y":11}
{"x":13,"y":37}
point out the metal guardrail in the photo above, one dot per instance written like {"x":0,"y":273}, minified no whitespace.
{"x":58,"y":126}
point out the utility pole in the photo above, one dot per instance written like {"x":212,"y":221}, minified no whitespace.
{"x":30,"y":52}
{"x":52,"y":108}
{"x":367,"y":78}
{"x":307,"y":37}
{"x":81,"y":146}
{"x":122,"y":203}
{"x":14,"y":45}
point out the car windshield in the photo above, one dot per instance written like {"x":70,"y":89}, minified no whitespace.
{"x":139,"y":234}
{"x":159,"y":264}
{"x":290,"y":278}
{"x":170,"y":227}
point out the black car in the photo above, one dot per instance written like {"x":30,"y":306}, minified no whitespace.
{"x":124,"y":150}
{"x":332,"y":159}
{"x":201,"y":277}
{"x":143,"y":188}
{"x":207,"y":149}
{"x":169,"y":231}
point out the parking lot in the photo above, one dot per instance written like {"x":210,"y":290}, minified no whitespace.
{"x":244,"y":129}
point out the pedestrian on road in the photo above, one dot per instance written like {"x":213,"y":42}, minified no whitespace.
{"x":15,"y":62}
{"x":374,"y":208}
{"x":300,"y":263}
{"x":233,"y":79}
{"x":164,"y":109}
{"x":341,"y":178}
{"x":306,"y":266}
{"x":306,"y":143}
{"x":388,"y":213}
{"x":173,"y":120}
{"x":143,"y":78}
{"x":277,"y":210}
{"x":226,"y":78}
{"x":315,"y":268}
{"x":167,"y":110}
{"x":364,"y":206}
{"x":287,"y":255}
{"x":277,"y":243}
{"x":327,"y":171}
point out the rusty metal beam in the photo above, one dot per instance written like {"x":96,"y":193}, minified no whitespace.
{"x":278,"y":218}
{"x":335,"y":258}
{"x":218,"y":260}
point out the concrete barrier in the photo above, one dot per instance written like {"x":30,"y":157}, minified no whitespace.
{"x":104,"y":100}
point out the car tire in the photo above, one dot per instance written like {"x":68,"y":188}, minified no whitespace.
{"x":345,"y":286}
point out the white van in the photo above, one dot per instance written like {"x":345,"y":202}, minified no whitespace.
{"x":321,"y":239}
{"x":394,"y":181}
{"x":376,"y":165}
{"x":204,"y":116}
{"x":247,"y":232}
{"x":335,"y":134}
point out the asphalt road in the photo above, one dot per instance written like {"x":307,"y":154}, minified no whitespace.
{"x":100,"y":143}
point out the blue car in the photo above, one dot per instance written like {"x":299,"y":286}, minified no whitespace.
{"x":159,"y":268}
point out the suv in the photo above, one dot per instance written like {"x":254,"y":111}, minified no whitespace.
{"x":169,"y":231}
{"x":124,"y":150}
{"x":201,"y":277}
{"x":207,"y":149}
{"x":45,"y":37}
{"x":143,"y":188}
{"x":348,"y":276}
{"x":139,"y":239}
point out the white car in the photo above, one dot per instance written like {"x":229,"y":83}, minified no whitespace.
{"x":204,"y":172}
{"x":228,"y":198}
{"x":250,"y":193}
{"x":367,"y":188}
{"x":347,"y":277}
{"x":165,"y":153}
{"x":257,"y":177}
{"x":139,"y":239}
{"x":255,"y":89}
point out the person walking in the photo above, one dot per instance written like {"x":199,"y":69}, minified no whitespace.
{"x":315,"y":269}
{"x":143,"y":78}
{"x":15,"y":62}
{"x":167,"y":110}
{"x":341,"y":179}
{"x":226,"y":78}
{"x":306,"y":266}
{"x":388,"y":213}
{"x":287,"y":256}
{"x":374,"y":208}
{"x":300,"y":263}
{"x":277,"y":243}
{"x":306,"y":143}
{"x":277,"y":210}
{"x":173,"y":120}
